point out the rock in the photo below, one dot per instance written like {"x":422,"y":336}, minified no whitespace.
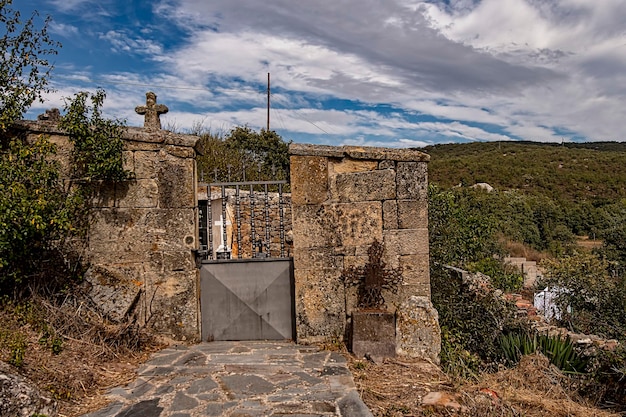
{"x":441,"y":399}
{"x":19,"y":397}
{"x":112,"y":291}
{"x":482,"y":186}
{"x":417,"y":329}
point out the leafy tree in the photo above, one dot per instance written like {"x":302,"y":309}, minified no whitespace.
{"x":41,"y":212}
{"x":459,"y":232}
{"x":266,"y":150}
{"x":36,"y":212}
{"x":24,"y":67}
{"x":261,"y":155}
{"x":98,"y":146}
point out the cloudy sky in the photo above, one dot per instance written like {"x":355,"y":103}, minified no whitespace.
{"x":387,"y":73}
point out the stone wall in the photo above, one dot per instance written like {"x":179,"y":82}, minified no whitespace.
{"x":144,"y":232}
{"x":343,"y":199}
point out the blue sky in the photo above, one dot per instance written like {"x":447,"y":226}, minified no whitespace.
{"x":393,"y":73}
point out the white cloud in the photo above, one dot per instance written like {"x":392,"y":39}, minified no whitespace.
{"x":63,"y":29}
{"x":122,"y":42}
{"x":486,"y":70}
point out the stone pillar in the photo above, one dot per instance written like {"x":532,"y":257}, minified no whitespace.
{"x":142,"y":242}
{"x":345,"y":198}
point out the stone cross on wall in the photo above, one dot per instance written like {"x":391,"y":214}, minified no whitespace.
{"x":152,"y":111}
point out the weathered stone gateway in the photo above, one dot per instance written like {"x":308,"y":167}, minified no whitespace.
{"x":144,"y":242}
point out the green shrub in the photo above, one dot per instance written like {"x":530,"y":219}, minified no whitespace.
{"x":560,"y":351}
{"x":473,"y":320}
{"x":503,"y":276}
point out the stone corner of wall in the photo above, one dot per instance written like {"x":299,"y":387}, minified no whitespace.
{"x":305,"y":149}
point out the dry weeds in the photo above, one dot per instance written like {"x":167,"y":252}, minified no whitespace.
{"x":534,"y":388}
{"x":95,"y":354}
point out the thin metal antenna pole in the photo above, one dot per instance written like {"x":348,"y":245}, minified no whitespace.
{"x":268,"y":101}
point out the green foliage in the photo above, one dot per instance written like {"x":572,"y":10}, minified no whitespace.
{"x":244,"y":153}
{"x":473,"y":319}
{"x":545,"y":194}
{"x":574,"y":172}
{"x":97,"y":141}
{"x":36,"y":211}
{"x":459,"y":231}
{"x":456,"y":360}
{"x":503,"y":276}
{"x":560,"y":351}
{"x":24,"y":69}
{"x":39,"y":210}
{"x":593,"y":300}
{"x":607,"y":378}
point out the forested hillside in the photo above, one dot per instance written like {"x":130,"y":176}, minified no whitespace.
{"x":545,"y":194}
{"x":592,"y":172}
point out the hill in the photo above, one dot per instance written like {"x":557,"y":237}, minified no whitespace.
{"x":575,"y":172}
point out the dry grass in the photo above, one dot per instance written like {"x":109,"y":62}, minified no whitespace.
{"x":534,"y":388}
{"x":71,"y":351}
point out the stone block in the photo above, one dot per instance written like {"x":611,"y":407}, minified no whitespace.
{"x":143,"y":193}
{"x":115,"y":289}
{"x":358,"y":224}
{"x":387,"y":164}
{"x":375,"y":185}
{"x":412,"y":214}
{"x":320,"y":308}
{"x":178,"y":261}
{"x":374,"y":334}
{"x":134,"y":146}
{"x":104,"y":194}
{"x":180,"y":151}
{"x":145,"y":164}
{"x":412,"y":181}
{"x":318,"y":258}
{"x":309,"y":179}
{"x":128,"y":162}
{"x":314,"y":226}
{"x":415,"y":271}
{"x":347,"y":165}
{"x":417,"y":329}
{"x":176,"y":183}
{"x":175,"y":306}
{"x":19,"y":396}
{"x":406,"y":242}
{"x":390,"y":215}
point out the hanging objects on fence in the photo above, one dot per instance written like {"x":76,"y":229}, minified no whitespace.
{"x":246,"y":208}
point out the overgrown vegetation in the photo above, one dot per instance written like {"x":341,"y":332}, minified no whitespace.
{"x":44,"y":211}
{"x":545,"y":196}
{"x":243,"y":153}
{"x":48,"y":331}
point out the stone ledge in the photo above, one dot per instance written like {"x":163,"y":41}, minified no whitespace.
{"x":358,"y":152}
{"x":135,"y":134}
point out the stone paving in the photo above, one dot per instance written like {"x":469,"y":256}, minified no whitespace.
{"x":239,"y":379}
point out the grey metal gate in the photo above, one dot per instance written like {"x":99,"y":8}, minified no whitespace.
{"x":247,"y":300}
{"x":246,"y":283}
